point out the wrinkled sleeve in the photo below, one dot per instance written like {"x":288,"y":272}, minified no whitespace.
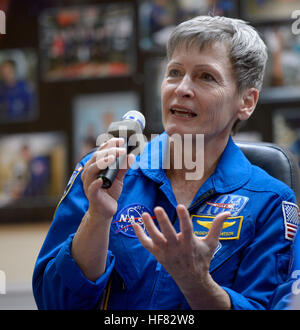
{"x":58,"y":282}
{"x":265,"y":261}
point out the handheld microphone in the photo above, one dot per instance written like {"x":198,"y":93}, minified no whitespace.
{"x":131,"y":125}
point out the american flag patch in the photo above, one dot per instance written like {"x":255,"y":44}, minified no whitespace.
{"x":291,"y":219}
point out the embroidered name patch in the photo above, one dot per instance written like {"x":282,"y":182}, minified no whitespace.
{"x":124,"y":219}
{"x":222,"y":203}
{"x":231,"y":227}
{"x":291,"y":219}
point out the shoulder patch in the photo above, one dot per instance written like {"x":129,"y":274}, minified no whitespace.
{"x":77,"y":170}
{"x":291,"y":219}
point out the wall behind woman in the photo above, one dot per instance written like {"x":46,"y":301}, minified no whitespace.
{"x":19,"y":246}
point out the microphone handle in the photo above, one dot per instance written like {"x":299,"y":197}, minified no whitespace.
{"x":109,"y":174}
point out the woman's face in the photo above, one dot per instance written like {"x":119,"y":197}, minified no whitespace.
{"x":199,"y":93}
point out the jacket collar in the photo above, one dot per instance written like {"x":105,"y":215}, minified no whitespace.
{"x":232,"y":171}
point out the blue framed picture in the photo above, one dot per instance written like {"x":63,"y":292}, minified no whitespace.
{"x":18,"y":85}
{"x":92,"y":115}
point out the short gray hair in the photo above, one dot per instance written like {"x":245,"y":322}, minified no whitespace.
{"x":247,"y":51}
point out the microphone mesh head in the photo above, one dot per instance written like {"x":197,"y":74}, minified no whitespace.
{"x":137,"y":116}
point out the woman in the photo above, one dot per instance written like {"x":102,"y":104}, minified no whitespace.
{"x":214,"y":243}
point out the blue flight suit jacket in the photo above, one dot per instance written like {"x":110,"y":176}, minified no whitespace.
{"x":251,"y":260}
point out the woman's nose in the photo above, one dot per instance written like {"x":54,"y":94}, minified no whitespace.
{"x":185,"y":87}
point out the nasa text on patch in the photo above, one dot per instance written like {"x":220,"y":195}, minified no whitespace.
{"x":122,"y":222}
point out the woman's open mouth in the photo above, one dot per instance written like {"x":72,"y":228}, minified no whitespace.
{"x":179,"y":112}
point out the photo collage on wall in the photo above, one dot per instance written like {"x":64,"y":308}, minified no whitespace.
{"x":274,"y":21}
{"x":87,"y":41}
{"x":75,"y":43}
{"x":32,"y":168}
{"x":18,"y":85}
{"x":268,"y":10}
{"x":157,"y":18}
{"x":110,"y":57}
{"x":286,"y":128}
{"x":282,"y":77}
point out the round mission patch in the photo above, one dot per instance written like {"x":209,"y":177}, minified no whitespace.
{"x":122,"y":223}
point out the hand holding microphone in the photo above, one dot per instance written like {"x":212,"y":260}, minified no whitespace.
{"x":106,"y":163}
{"x":129,"y":128}
{"x":90,"y":243}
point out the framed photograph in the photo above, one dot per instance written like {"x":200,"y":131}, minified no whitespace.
{"x":18,"y":85}
{"x":32,"y":170}
{"x":268,"y":10}
{"x":158,"y":18}
{"x":92,"y":115}
{"x":282,"y":77}
{"x":154,"y":73}
{"x":286,"y":130}
{"x":87,"y":41}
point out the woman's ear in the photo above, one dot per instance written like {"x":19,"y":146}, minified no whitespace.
{"x":249,"y":100}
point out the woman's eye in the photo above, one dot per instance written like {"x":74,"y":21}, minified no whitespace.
{"x":208,"y":77}
{"x":174,"y":73}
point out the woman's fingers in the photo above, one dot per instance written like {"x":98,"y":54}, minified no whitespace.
{"x":168,"y":235}
{"x":130,"y":160}
{"x":186,"y":225}
{"x":146,"y":241}
{"x":113,"y":142}
{"x":156,"y":236}
{"x":165,"y":225}
{"x":212,"y":238}
{"x":91,"y":170}
{"x":102,"y":158}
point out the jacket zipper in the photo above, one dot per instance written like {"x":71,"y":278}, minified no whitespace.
{"x":202,"y":198}
{"x":199,"y":201}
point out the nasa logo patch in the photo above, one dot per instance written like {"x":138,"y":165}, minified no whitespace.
{"x":130,"y":214}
